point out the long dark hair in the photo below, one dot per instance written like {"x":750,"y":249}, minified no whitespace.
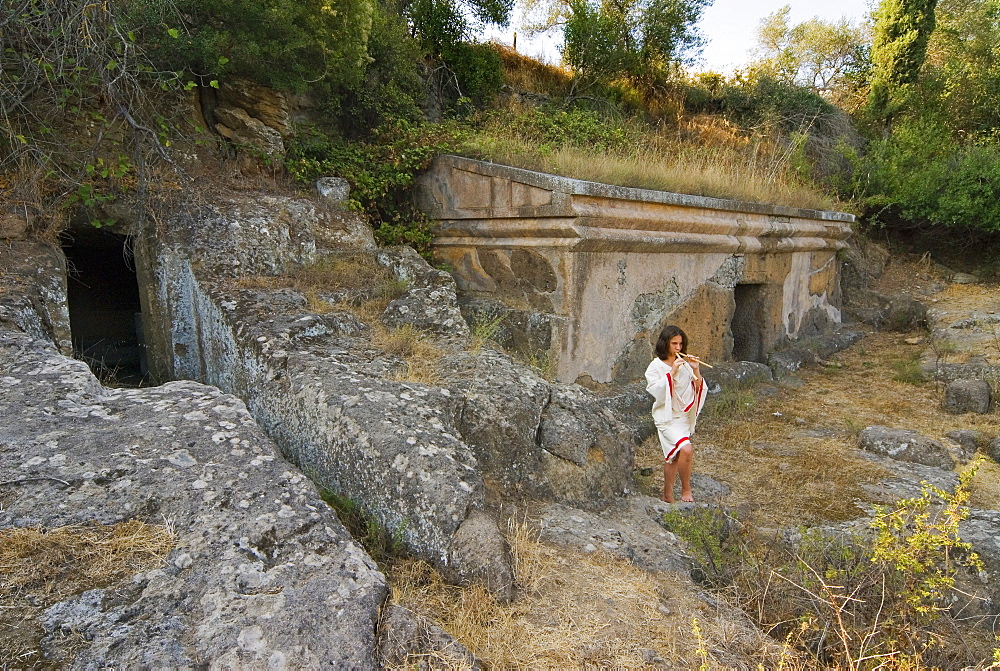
{"x":668,"y":334}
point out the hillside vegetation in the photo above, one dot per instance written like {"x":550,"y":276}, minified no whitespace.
{"x":894,"y":119}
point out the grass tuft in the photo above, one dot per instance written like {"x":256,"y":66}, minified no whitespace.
{"x":40,"y":567}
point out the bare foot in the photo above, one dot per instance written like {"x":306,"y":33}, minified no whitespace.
{"x":686,"y":497}
{"x":670,"y":500}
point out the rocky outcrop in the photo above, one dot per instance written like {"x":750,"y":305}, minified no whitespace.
{"x":253,"y":117}
{"x":409,"y":640}
{"x":905,"y":445}
{"x":258,"y":555}
{"x":630,"y":528}
{"x":423,"y":460}
{"x":33,"y":292}
{"x":813,"y":351}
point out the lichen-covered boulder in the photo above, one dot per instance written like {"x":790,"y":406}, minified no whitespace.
{"x":429,"y":301}
{"x":905,"y":445}
{"x":262,"y":572}
{"x":961,"y":396}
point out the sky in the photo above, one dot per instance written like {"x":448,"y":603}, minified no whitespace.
{"x":728,"y":26}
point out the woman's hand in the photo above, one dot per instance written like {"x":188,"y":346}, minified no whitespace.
{"x":694,"y":363}
{"x":676,"y":365}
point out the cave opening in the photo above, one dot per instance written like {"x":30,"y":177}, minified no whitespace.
{"x":105,"y":310}
{"x":748,"y":326}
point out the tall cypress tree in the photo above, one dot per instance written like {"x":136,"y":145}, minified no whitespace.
{"x":899,"y":46}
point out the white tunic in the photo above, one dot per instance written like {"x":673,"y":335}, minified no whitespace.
{"x":674,"y":397}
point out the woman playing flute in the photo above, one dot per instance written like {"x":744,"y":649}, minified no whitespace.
{"x":678,"y":389}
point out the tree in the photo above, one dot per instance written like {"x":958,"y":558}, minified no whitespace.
{"x":287,"y":44}
{"x":962,"y":69}
{"x":442,"y":24}
{"x":822,"y":55}
{"x":899,"y":46}
{"x":635,"y":39}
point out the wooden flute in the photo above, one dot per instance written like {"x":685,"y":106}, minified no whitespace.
{"x":700,"y":362}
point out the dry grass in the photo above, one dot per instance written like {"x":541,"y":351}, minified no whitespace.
{"x":527,"y":74}
{"x":359,"y":282}
{"x":577,"y":610}
{"x":420,"y":354}
{"x":40,"y":567}
{"x":752,"y":174}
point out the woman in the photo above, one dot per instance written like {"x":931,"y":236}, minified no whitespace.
{"x":678,"y":391}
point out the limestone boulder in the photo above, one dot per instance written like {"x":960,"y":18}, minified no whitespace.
{"x":905,"y":445}
{"x":246,"y":132}
{"x":628,"y":528}
{"x":537,"y":439}
{"x":968,"y":441}
{"x":269,"y":106}
{"x":632,"y":405}
{"x":33,"y":292}
{"x":315,"y":382}
{"x":982,"y":530}
{"x":416,"y":457}
{"x":518,"y":331}
{"x":861,"y":264}
{"x":961,"y":396}
{"x":429,"y":301}
{"x":831,"y":343}
{"x":14,"y":223}
{"x":729,"y":375}
{"x":905,"y":313}
{"x":787,"y":361}
{"x":261,"y":573}
{"x":335,"y":189}
{"x":238,"y":235}
{"x":481,"y":555}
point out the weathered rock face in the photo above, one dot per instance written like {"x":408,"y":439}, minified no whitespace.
{"x":629,"y":528}
{"x":813,"y":350}
{"x":429,"y":302}
{"x":253,"y":116}
{"x":33,"y":292}
{"x":422,"y":459}
{"x":408,"y":640}
{"x":262,"y":574}
{"x":14,"y":222}
{"x":905,"y":445}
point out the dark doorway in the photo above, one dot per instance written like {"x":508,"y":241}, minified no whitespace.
{"x":104,"y":308}
{"x":749,"y":322}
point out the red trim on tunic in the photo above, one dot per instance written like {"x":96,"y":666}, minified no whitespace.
{"x":670,"y":381}
{"x":676,"y":449}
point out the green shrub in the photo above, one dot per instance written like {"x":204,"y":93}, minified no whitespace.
{"x":926,"y":175}
{"x":391,"y":89}
{"x":849,"y":599}
{"x":909,"y":371}
{"x":381,"y":172}
{"x":550,"y":128}
{"x":478,"y":70}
